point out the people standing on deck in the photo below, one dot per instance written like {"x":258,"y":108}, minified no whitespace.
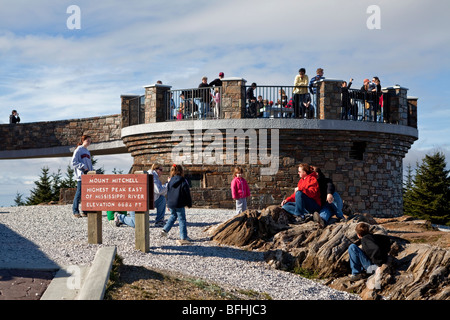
{"x":300,"y":91}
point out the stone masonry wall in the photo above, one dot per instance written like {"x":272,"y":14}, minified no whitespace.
{"x":366,"y":168}
{"x":59,"y":133}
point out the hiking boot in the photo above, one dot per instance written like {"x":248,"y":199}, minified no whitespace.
{"x":183,"y":242}
{"x":299,"y":219}
{"x":76,"y":215}
{"x":160,"y":223}
{"x":163,"y":233}
{"x":356,"y":277}
{"x":318,"y":219}
{"x":83,"y":214}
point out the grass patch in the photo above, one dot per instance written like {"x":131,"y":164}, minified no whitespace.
{"x":306,"y":273}
{"x":140,"y":283}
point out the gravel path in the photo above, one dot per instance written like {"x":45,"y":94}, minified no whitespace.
{"x":49,"y":235}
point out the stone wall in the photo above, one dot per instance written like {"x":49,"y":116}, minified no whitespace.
{"x":49,"y":134}
{"x":365,"y":166}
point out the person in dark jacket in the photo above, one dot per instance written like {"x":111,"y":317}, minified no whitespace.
{"x":178,"y":197}
{"x":251,"y":111}
{"x":217,"y":82}
{"x":330,"y":199}
{"x":374,"y":252}
{"x":203,"y":98}
{"x":14,"y":117}
{"x":345,"y":97}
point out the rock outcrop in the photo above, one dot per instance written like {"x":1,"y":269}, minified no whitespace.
{"x":413,"y":270}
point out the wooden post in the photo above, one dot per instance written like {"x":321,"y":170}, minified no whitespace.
{"x":132,"y":192}
{"x":141,"y":220}
{"x":142,"y":233}
{"x":95,"y":227}
{"x":94,"y":224}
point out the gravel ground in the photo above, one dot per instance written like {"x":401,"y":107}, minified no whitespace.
{"x":49,"y":235}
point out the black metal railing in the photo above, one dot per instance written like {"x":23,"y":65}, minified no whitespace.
{"x":196,"y":103}
{"x":265,"y":101}
{"x":363,"y":105}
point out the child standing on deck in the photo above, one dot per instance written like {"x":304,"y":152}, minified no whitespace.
{"x":178,"y":197}
{"x":239,"y":190}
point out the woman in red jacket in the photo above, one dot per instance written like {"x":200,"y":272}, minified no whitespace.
{"x":306,"y":197}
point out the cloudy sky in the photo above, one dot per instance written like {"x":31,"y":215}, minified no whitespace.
{"x":49,"y":71}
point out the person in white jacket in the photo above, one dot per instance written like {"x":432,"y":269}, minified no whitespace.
{"x":159,"y":193}
{"x":82,"y":164}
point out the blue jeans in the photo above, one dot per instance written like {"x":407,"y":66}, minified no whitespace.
{"x":330,"y":209}
{"x":77,"y":199}
{"x":129,"y":219}
{"x":160,"y":205}
{"x":358,"y":259}
{"x":303,"y":204}
{"x":180,"y":214}
{"x":203,"y":108}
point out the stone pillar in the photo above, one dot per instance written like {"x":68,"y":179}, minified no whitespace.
{"x":398,"y":105}
{"x":233,"y":98}
{"x":412,"y":111}
{"x":329,"y":103}
{"x":155,"y":103}
{"x":130,"y":107}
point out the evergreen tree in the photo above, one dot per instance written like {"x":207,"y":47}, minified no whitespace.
{"x":94,"y":163}
{"x":69,"y":182}
{"x":18,"y":200}
{"x":43,"y":191}
{"x":56,"y":185}
{"x":429,"y":194}
{"x":407,"y":189}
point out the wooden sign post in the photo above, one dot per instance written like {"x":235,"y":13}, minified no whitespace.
{"x":118,"y":192}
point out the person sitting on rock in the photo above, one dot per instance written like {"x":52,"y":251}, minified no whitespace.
{"x":306,"y":197}
{"x":331,"y":200}
{"x":374,"y":252}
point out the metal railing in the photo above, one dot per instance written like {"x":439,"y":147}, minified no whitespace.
{"x":280,"y":102}
{"x":266,"y":101}
{"x":365,"y":106}
{"x":196,"y":103}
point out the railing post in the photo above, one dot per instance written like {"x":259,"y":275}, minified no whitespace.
{"x":329,"y":99}
{"x":233,"y":98}
{"x":412,"y":111}
{"x":155,"y":103}
{"x":129,"y":109}
{"x":398,"y":105}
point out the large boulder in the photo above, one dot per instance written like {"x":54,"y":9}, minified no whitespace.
{"x":251,"y":228}
{"x":413,"y":271}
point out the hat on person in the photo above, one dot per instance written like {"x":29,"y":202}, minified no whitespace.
{"x":366,"y":80}
{"x":221,"y":74}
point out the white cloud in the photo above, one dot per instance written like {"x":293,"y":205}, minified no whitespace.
{"x":48,"y":72}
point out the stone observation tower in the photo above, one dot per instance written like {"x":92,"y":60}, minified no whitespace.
{"x":362,"y":152}
{"x":363,"y":155}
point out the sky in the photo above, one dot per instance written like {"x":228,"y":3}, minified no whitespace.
{"x":56,"y":63}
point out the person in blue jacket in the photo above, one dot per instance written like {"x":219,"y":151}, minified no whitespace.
{"x":178,"y":197}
